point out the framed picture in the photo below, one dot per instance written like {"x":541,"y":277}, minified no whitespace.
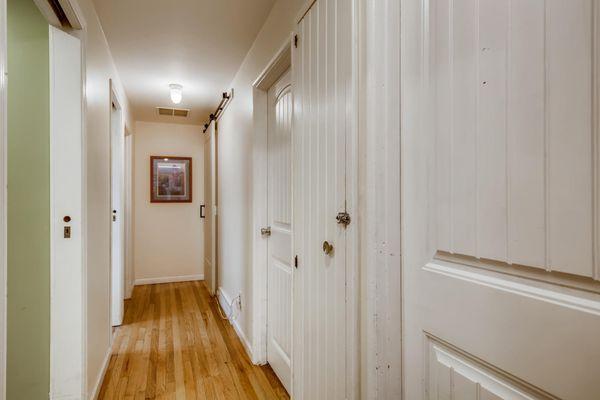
{"x":170,"y":179}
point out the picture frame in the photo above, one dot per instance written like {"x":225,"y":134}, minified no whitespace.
{"x":170,"y":179}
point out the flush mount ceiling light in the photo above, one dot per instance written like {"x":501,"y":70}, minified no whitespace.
{"x":176,"y":92}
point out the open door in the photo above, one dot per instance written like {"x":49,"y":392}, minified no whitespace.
{"x":279,"y":230}
{"x":500,"y":208}
{"x":117,"y":211}
{"x":66,"y":182}
{"x":208,"y":209}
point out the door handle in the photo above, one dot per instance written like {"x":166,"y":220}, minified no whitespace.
{"x":202,"y":211}
{"x":327,"y":248}
{"x":265,"y":231}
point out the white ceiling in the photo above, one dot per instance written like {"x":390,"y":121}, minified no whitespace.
{"x":197,"y":43}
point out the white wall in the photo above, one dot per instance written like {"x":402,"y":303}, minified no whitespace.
{"x":235,"y":161}
{"x":168,"y":236}
{"x":99,"y":69}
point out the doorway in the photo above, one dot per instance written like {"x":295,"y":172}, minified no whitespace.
{"x":279,"y":228}
{"x":117,"y":242}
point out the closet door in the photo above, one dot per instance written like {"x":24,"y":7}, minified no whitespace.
{"x":322,"y":97}
{"x":500,"y":199}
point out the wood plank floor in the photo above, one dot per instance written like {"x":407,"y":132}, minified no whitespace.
{"x":174,"y":345}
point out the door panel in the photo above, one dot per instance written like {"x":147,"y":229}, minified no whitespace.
{"x":322,"y":78}
{"x":499,"y":149}
{"x":210,"y":224}
{"x":279,"y":271}
{"x":66,"y":181}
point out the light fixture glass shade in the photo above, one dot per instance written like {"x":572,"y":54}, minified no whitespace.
{"x":176,"y":93}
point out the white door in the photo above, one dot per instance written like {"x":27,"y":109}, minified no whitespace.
{"x":500,"y":199}
{"x":118,"y":217}
{"x":322,"y":69}
{"x":209,"y":210}
{"x":66,"y":183}
{"x":279,"y":269}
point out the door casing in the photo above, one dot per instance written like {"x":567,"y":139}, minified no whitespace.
{"x":117,"y":129}
{"x":281,"y":61}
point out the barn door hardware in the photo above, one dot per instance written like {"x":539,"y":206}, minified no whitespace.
{"x":343,"y":218}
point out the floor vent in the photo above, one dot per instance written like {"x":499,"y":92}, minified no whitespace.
{"x":173,"y":112}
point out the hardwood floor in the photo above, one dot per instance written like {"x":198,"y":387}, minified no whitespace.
{"x":174,"y":345}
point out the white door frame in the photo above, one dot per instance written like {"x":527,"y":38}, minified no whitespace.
{"x":379,"y":214}
{"x":3,"y":191}
{"x":115,"y":98}
{"x":128,"y":212}
{"x":280,"y":63}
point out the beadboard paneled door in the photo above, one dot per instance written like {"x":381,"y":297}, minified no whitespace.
{"x":279,"y":270}
{"x":500,"y":200}
{"x":322,"y":130}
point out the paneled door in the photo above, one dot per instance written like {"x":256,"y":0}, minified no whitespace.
{"x":500,"y":205}
{"x":279,"y":270}
{"x":322,"y":71}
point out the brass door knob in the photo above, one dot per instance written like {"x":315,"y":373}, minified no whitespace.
{"x":327,"y":247}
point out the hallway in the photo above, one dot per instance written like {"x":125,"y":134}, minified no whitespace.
{"x":174,"y":345}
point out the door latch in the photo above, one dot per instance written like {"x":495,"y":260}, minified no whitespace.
{"x":67,"y":232}
{"x":343,"y":218}
{"x":265,"y":231}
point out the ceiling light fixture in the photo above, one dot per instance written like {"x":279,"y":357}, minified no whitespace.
{"x":176,"y":93}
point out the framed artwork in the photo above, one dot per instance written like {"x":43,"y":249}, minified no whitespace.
{"x":170,"y":179}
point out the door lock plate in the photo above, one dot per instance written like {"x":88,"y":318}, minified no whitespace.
{"x":67,"y":232}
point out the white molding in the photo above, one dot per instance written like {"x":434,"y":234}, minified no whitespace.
{"x":100,"y":378}
{"x":278,"y":64}
{"x":503,"y":386}
{"x":169,"y":279}
{"x":569,"y":298}
{"x":3,"y":193}
{"x":224,"y":302}
{"x":379,"y":212}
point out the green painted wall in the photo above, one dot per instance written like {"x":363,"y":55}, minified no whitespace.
{"x":28,"y":357}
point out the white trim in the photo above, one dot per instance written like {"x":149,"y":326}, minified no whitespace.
{"x":564,"y":297}
{"x":3,"y":193}
{"x":169,"y":279}
{"x":279,"y":63}
{"x":98,"y":385}
{"x":352,"y":207}
{"x":224,"y":302}
{"x":379,"y":175}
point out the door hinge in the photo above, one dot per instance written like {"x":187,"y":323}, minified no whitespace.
{"x":343,"y":218}
{"x":296,"y":261}
{"x":296,"y":41}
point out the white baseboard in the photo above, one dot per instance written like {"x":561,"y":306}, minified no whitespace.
{"x":225,"y":301}
{"x":100,"y":379}
{"x":169,"y":279}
